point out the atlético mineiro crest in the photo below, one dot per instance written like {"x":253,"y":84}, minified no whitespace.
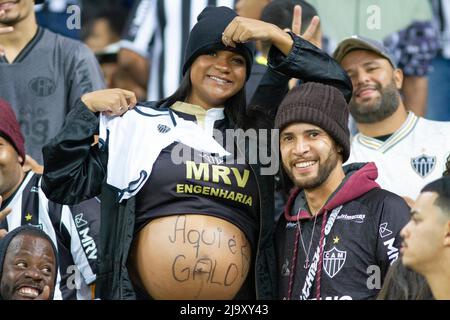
{"x":423,"y":165}
{"x":163,"y":128}
{"x":333,"y":261}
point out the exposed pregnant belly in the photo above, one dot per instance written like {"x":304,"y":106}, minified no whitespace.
{"x":191,"y":257}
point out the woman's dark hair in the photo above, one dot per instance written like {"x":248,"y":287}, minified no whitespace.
{"x":402,"y":283}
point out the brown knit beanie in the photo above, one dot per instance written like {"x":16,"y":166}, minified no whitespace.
{"x":317,"y":104}
{"x":10,"y":128}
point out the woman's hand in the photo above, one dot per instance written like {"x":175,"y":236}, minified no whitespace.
{"x":241,"y":30}
{"x":112,"y":102}
{"x":311,"y":33}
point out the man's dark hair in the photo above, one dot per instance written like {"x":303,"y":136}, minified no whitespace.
{"x":115,"y":17}
{"x":442,"y":188}
{"x":4,"y":136}
{"x":280,"y":13}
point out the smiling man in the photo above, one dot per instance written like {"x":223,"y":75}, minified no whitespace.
{"x":43,"y":73}
{"x":426,"y":238}
{"x":338,"y":225}
{"x":28,"y":265}
{"x":408,"y":150}
{"x":73,"y":229}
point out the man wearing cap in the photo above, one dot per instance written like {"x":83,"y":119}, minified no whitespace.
{"x":340,"y":230}
{"x":42,"y":73}
{"x":408,"y":150}
{"x":73,"y":229}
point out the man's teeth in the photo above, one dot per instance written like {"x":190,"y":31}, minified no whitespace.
{"x":305,"y":164}
{"x":218,"y":79}
{"x":29,"y":292}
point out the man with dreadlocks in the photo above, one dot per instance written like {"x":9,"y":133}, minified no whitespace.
{"x":340,"y":231}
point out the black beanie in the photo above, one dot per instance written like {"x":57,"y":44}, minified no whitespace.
{"x":206,"y":35}
{"x":4,"y":245}
{"x":318,"y":104}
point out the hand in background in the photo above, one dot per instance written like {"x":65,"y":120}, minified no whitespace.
{"x":32,"y":165}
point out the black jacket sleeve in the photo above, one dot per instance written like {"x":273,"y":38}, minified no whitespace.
{"x":310,"y":64}
{"x":394,"y":216}
{"x":74,"y":170}
{"x":305,"y":62}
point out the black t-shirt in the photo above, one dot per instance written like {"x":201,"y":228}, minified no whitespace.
{"x":201,"y":184}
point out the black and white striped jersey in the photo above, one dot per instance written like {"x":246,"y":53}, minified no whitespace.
{"x":73,"y":229}
{"x":158,"y":30}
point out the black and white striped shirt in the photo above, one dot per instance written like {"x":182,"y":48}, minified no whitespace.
{"x":73,"y":229}
{"x":158,"y":30}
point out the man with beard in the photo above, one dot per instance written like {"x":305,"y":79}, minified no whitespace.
{"x":409,"y":151}
{"x":340,"y":231}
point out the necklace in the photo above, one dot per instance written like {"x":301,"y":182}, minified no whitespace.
{"x":306,"y":264}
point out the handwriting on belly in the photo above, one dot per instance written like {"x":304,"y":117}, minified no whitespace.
{"x":205,"y":267}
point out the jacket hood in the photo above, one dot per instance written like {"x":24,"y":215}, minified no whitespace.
{"x":359,"y":179}
{"x":4,"y":244}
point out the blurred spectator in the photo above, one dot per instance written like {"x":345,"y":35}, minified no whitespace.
{"x":43,"y":74}
{"x":123,"y":80}
{"x":102,"y":35}
{"x":405,"y":27}
{"x":401,"y":283}
{"x":104,"y":29}
{"x":279,"y":13}
{"x":156,"y":35}
{"x":426,"y":238}
{"x":439,"y":77}
{"x":251,"y":8}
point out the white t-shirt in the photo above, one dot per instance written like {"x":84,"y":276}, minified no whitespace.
{"x":411,"y":158}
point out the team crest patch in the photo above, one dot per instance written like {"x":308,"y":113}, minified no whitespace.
{"x":333,"y":261}
{"x":42,"y":86}
{"x":423,"y":165}
{"x":163,"y":128}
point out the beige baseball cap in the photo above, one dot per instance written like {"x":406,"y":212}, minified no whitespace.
{"x":362,"y":43}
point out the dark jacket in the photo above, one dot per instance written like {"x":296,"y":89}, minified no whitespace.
{"x":363,"y":242}
{"x":74,"y":171}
